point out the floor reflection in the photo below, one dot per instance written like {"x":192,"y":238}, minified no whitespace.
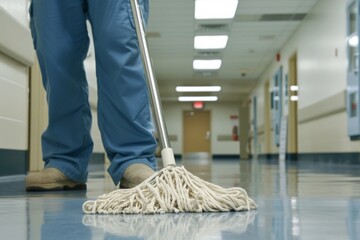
{"x":305,"y":199}
{"x":173,"y":226}
{"x":199,"y":164}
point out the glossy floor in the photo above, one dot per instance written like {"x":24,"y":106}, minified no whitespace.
{"x":296,"y":200}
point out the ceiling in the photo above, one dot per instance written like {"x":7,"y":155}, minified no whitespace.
{"x":258,"y":31}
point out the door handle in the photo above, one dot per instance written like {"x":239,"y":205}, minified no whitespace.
{"x":207,"y":135}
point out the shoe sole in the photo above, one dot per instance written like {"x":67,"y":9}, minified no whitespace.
{"x":55,"y":187}
{"x":124,"y":184}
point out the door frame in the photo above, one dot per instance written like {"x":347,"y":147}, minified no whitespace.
{"x":38,"y":116}
{"x":293,"y":107}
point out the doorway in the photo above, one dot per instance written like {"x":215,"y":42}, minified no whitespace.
{"x":196,"y":132}
{"x":255,"y":129}
{"x":276,"y":104}
{"x":293,"y":108}
{"x":267,"y":113}
{"x":38,"y":118}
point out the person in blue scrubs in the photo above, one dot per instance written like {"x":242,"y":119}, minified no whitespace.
{"x":61,"y":41}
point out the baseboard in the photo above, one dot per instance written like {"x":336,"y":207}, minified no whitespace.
{"x":97,"y":163}
{"x":268,"y":156}
{"x":349,"y":157}
{"x":16,"y":162}
{"x":97,"y":158}
{"x":13,"y":162}
{"x":226,"y":157}
{"x":214,"y":156}
{"x":353,"y":157}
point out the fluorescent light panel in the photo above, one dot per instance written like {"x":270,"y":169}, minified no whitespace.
{"x":198,"y":88}
{"x":215,"y":9}
{"x":198,"y":98}
{"x":210,"y":42}
{"x":207,"y":64}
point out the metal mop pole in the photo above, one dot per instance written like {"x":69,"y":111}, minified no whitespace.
{"x":167,"y":153}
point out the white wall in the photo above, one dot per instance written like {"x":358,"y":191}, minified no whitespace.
{"x":17,"y":9}
{"x":14,"y":101}
{"x":321,"y":74}
{"x":220,"y":125}
{"x":14,"y":96}
{"x":321,"y":61}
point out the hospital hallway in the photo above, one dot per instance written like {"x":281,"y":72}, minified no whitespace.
{"x":307,"y":199}
{"x":262,"y":95}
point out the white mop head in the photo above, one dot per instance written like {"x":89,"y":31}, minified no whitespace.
{"x":171,"y":190}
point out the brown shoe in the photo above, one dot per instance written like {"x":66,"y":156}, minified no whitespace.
{"x":135,"y":174}
{"x":51,"y":179}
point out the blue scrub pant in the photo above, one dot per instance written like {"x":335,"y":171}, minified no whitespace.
{"x":61,"y":41}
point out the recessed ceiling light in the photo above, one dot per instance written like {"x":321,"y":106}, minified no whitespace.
{"x":198,"y":88}
{"x":207,"y":64}
{"x":210,"y":42}
{"x":215,"y":9}
{"x":198,"y":98}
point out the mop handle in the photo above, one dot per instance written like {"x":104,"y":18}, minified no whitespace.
{"x":167,"y":152}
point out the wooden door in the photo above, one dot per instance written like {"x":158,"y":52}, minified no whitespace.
{"x":293,"y":109}
{"x":196,"y":131}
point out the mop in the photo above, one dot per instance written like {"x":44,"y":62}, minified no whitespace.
{"x":172,"y":189}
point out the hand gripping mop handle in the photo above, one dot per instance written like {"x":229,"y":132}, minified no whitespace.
{"x":167,"y":153}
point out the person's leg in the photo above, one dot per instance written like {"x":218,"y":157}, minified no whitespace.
{"x":123,"y":102}
{"x":61,"y":42}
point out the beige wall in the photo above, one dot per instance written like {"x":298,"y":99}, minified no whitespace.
{"x":17,"y":9}
{"x":91,"y":76}
{"x":321,"y":61}
{"x":14,"y":100}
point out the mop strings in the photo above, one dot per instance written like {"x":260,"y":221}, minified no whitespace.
{"x":173,"y":189}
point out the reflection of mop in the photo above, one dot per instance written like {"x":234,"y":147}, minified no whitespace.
{"x":173,"y":189}
{"x":179,"y":226}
